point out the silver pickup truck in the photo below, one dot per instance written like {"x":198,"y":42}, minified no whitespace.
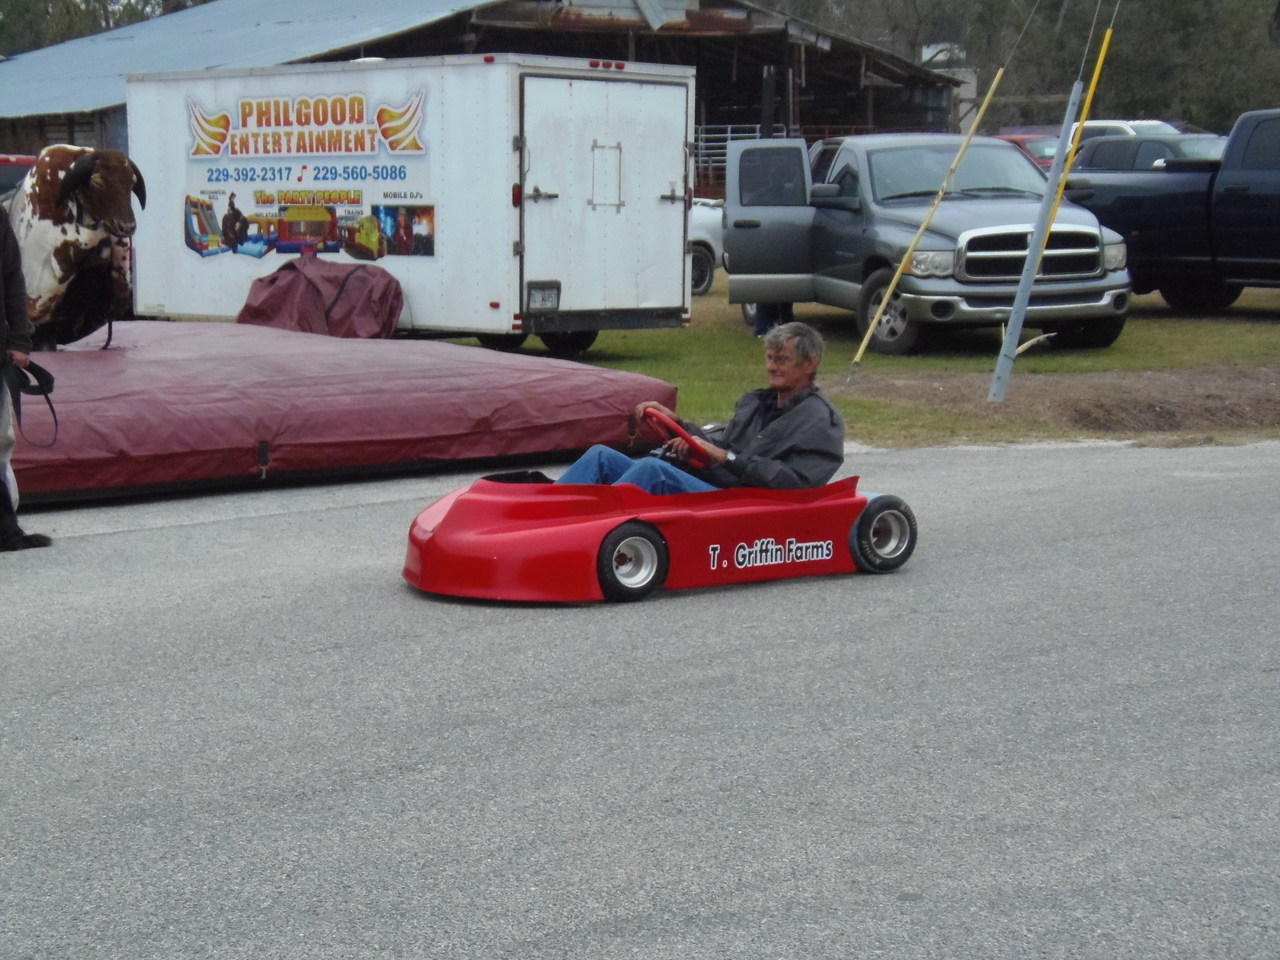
{"x":830,"y":224}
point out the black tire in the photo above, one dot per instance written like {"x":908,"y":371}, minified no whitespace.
{"x":1084,"y":334}
{"x":569,"y":345}
{"x":632,"y":562}
{"x":703,"y":271}
{"x":506,"y":342}
{"x":884,"y":537}
{"x":895,"y":335}
{"x":1206,"y":297}
{"x":749,"y":314}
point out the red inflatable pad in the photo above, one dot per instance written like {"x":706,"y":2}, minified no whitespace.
{"x":175,"y":403}
{"x":320,"y":296}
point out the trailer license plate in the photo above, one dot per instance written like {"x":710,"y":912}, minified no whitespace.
{"x":544,"y":297}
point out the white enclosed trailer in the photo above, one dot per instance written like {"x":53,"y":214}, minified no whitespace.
{"x":508,"y":194}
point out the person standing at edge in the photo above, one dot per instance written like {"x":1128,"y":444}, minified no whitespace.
{"x":15,"y":348}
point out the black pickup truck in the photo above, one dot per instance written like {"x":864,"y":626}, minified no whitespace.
{"x":1199,"y":231}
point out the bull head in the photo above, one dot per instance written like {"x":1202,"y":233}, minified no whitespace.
{"x":102,"y":181}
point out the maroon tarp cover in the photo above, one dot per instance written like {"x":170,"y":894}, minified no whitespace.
{"x":320,"y":296}
{"x":181,"y":402}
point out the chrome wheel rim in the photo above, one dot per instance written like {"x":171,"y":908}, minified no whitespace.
{"x":635,"y":561}
{"x":893,"y":322}
{"x":890,"y":533}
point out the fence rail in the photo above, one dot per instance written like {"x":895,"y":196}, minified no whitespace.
{"x":711,"y":147}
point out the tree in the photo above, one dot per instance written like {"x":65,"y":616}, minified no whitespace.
{"x":1199,"y":61}
{"x":32,"y":24}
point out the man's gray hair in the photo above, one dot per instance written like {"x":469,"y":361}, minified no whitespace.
{"x":808,"y":341}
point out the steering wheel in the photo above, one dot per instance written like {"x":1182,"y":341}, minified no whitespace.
{"x":672,"y":429}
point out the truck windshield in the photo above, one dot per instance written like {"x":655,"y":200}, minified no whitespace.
{"x":988,"y":169}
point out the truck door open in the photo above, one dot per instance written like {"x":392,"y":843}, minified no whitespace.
{"x":768,"y":222}
{"x":603,"y":213}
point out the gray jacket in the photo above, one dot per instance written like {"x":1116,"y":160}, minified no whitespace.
{"x":799,"y":445}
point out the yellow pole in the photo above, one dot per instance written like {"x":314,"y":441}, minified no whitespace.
{"x":1075,"y":139}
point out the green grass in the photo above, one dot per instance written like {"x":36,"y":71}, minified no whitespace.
{"x":716,"y":358}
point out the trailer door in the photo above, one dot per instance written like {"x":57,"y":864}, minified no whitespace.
{"x":603,"y":215}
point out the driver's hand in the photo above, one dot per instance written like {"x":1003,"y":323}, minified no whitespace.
{"x":646,"y":404}
{"x":678,"y":447}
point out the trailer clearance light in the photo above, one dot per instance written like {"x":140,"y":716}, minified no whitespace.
{"x":517,"y":195}
{"x":606,"y":65}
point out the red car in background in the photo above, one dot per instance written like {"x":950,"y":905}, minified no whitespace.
{"x":13,"y":167}
{"x":1040,"y":148}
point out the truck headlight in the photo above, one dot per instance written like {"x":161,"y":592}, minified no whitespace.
{"x":932,"y":263}
{"x":1114,"y":256}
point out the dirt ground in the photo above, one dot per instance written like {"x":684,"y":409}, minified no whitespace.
{"x":1095,"y":404}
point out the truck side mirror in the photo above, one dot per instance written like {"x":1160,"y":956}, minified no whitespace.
{"x":1078,"y":191}
{"x":827,"y":196}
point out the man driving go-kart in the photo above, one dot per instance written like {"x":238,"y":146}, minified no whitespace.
{"x":755,"y":505}
{"x":785,"y":436}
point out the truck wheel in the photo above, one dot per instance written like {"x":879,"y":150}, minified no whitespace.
{"x":749,"y":314}
{"x":704,"y":271}
{"x":506,"y":342}
{"x":895,"y":334}
{"x":1084,"y":334}
{"x":632,"y":562}
{"x":1200,"y":297}
{"x":569,"y":345}
{"x":884,"y":536}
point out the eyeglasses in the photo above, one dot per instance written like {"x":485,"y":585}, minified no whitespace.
{"x":781,"y":359}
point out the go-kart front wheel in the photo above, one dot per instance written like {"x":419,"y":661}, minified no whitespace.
{"x":884,"y":536}
{"x":632,"y":562}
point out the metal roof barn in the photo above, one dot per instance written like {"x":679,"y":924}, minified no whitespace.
{"x":88,"y":74}
{"x":756,"y":66}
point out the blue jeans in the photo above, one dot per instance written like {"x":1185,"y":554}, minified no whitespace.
{"x":770,"y":315}
{"x":606,"y":465}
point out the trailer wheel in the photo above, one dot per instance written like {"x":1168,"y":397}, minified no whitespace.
{"x":703,"y":272}
{"x":884,"y":536}
{"x":506,"y":342}
{"x":569,"y":345}
{"x":632,"y":562}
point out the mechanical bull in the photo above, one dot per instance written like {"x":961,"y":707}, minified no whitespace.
{"x":73,"y":216}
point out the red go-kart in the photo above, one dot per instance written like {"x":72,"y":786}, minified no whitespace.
{"x":518,"y":536}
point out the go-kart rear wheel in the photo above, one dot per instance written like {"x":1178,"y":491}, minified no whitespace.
{"x":632,"y":562}
{"x":884,"y":536}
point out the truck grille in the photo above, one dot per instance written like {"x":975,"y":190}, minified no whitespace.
{"x":998,"y":254}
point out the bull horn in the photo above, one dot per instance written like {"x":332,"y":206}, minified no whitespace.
{"x":78,"y":175}
{"x":139,"y":187}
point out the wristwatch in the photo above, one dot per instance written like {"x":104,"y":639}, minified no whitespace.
{"x":730,"y":456}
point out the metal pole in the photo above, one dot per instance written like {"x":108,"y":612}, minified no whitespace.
{"x":1048,"y":211}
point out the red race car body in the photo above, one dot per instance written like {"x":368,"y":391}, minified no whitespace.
{"x":520,"y":537}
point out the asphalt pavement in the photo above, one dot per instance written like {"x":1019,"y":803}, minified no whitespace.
{"x":228,"y":729}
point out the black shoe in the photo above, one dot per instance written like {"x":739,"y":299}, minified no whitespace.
{"x":25,"y":541}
